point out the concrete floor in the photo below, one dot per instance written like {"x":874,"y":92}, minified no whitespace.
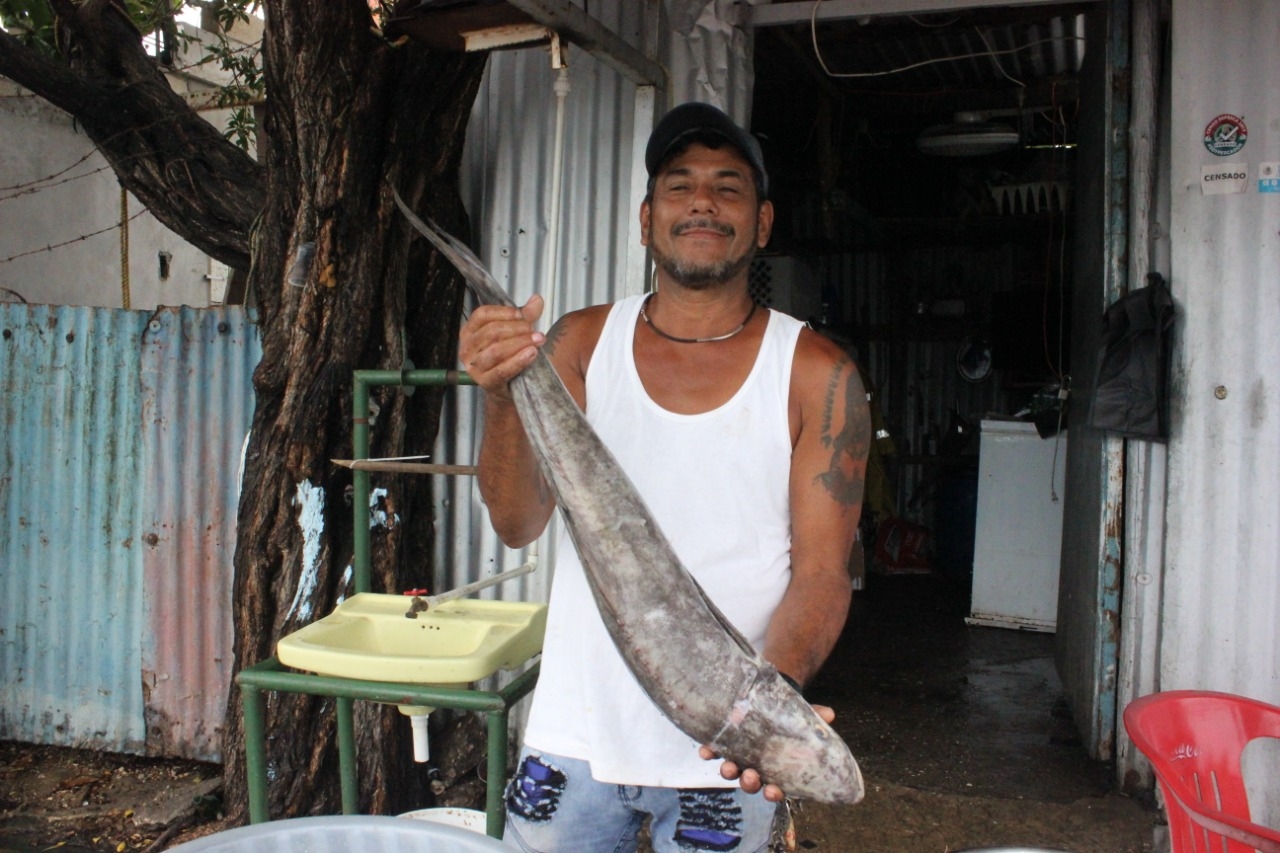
{"x":928,"y":702}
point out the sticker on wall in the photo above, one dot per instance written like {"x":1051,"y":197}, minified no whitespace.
{"x":1269,"y":177}
{"x":1224,"y":179}
{"x":1225,"y":135}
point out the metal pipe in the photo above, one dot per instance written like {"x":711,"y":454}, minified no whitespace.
{"x":497,"y":773}
{"x":255,"y":759}
{"x":502,"y":577}
{"x":271,"y":675}
{"x":552,"y":269}
{"x":360,"y":486}
{"x":360,"y":483}
{"x":347,"y":756}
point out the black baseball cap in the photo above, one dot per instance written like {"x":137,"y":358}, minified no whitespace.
{"x":694,"y":118}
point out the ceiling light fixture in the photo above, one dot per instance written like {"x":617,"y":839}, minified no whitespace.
{"x":968,"y":136}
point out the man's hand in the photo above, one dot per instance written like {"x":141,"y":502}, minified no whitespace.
{"x":747,"y":777}
{"x":498,"y":342}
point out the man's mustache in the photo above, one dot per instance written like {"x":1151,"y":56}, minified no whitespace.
{"x":722,"y":228}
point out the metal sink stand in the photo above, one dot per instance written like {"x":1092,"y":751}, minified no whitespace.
{"x":271,"y":675}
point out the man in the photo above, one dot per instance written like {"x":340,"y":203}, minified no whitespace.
{"x":746,"y":434}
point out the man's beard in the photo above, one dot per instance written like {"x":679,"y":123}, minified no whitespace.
{"x":701,"y":276}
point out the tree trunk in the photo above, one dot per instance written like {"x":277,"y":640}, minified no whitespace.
{"x":347,"y":117}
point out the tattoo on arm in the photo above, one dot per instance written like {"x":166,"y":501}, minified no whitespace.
{"x":845,"y":476}
{"x":554,"y":335}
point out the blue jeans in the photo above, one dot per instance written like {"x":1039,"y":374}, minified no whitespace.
{"x":554,"y":806}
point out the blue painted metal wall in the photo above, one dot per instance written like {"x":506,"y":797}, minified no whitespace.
{"x":120,"y":435}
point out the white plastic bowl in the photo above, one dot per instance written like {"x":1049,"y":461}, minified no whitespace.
{"x":476,"y":821}
{"x":340,"y":834}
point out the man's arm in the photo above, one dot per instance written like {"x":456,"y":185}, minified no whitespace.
{"x":828,"y":474}
{"x":495,"y":345}
{"x":832,"y":426}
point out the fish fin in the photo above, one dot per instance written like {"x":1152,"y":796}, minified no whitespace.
{"x":479,"y":279}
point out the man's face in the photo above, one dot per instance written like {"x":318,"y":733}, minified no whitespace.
{"x":704,"y":222}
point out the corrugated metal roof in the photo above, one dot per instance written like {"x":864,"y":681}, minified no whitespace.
{"x":119,"y":425}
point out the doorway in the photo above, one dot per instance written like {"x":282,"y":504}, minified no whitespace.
{"x":937,"y":221}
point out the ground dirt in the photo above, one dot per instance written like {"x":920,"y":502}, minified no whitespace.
{"x":963,"y":734}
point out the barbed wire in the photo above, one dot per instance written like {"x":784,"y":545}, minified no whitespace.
{"x":60,"y":177}
{"x":82,"y":237}
{"x":214,"y":95}
{"x":35,"y":185}
{"x":38,"y":184}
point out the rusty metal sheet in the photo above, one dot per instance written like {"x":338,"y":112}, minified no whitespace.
{"x":120,"y":433}
{"x":1087,"y":647}
{"x":70,"y":570}
{"x":196,"y":406}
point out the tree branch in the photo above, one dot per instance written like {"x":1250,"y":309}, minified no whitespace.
{"x":197,"y":183}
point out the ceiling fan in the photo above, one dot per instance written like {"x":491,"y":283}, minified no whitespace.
{"x":970,"y":134}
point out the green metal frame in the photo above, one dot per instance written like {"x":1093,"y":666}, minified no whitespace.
{"x":271,"y":675}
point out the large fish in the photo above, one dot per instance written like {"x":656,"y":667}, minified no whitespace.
{"x":711,"y":683}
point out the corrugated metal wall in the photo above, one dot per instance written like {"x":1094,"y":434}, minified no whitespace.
{"x":1222,"y":561}
{"x":70,"y":616}
{"x":911,"y":357}
{"x":197,"y":405}
{"x":121,"y":435}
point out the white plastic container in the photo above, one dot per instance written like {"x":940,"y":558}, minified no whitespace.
{"x":476,"y":821}
{"x":340,"y":834}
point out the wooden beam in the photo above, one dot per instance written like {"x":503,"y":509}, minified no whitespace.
{"x":588,"y":33}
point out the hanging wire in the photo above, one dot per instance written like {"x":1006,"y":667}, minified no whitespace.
{"x":995,"y":58}
{"x":916,"y":20}
{"x":817,"y":52}
{"x":1064,"y":381}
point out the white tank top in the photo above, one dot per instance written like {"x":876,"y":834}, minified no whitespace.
{"x":718,"y":484}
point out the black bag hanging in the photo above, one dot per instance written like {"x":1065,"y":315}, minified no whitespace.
{"x":1131,"y":391}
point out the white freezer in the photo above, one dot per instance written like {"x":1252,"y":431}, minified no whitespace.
{"x":1018,"y":537}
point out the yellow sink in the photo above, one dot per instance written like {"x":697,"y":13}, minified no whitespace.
{"x":368,"y":637}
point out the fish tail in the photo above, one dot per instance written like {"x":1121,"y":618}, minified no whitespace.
{"x":479,"y":279}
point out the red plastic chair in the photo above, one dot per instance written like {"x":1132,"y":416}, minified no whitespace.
{"x":1194,"y":740}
